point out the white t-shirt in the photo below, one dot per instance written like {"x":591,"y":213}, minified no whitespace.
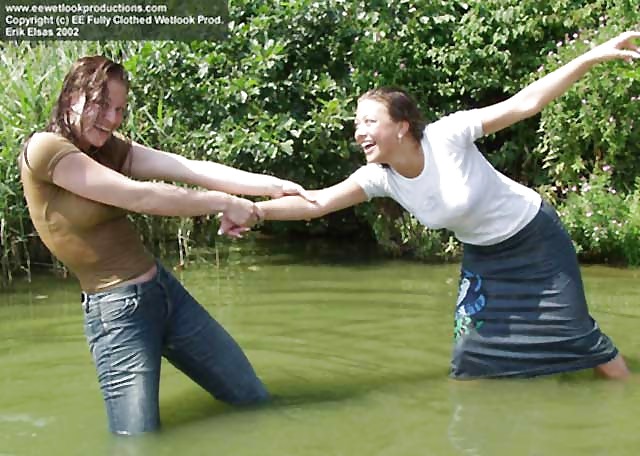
{"x":458,"y":189}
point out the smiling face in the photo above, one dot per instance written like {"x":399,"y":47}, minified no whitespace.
{"x":93,"y":122}
{"x":92,"y":102}
{"x":376,"y":132}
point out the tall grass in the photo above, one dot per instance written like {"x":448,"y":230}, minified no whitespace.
{"x":31,"y":74}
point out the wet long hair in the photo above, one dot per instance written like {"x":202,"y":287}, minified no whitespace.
{"x":87,"y":77}
{"x":401,"y":107}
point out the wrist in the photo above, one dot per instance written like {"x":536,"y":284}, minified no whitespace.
{"x":590,"y":58}
{"x":228,"y":201}
{"x":259,"y":212}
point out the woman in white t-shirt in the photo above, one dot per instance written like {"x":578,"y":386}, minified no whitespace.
{"x":521,"y":309}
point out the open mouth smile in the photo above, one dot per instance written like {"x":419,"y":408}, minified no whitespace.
{"x":368,"y":146}
{"x":103,"y":129}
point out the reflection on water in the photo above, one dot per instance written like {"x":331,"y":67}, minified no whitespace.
{"x":25,"y":419}
{"x":545,"y":416}
{"x":354,"y":350}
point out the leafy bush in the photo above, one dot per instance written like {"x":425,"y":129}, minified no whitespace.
{"x":631,"y":226}
{"x":603,"y":223}
{"x":594,"y":213}
{"x":278,"y":96}
{"x":596,"y":122}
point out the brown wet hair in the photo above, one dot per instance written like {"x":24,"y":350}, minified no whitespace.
{"x":88,"y":76}
{"x":401,"y":107}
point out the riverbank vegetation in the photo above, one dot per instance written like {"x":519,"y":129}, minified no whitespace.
{"x":278,"y":96}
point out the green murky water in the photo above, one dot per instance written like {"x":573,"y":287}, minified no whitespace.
{"x":355,"y":350}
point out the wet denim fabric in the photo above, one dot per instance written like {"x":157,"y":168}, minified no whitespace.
{"x":130,"y":328}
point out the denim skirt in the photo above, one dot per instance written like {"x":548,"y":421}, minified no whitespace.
{"x":521,"y":309}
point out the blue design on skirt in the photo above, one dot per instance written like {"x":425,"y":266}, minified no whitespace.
{"x":471,"y":300}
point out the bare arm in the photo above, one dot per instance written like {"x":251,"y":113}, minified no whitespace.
{"x":345,"y":194}
{"x":149,"y":163}
{"x":533,"y":98}
{"x":85,"y":177}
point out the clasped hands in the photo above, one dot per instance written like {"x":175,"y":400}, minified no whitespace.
{"x":243,"y":214}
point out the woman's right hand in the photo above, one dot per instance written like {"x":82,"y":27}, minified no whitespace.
{"x":239,"y":216}
{"x":241,"y":211}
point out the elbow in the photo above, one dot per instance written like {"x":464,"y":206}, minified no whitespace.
{"x":143,"y":206}
{"x":314,"y":213}
{"x":534,"y":108}
{"x":311,"y":211}
{"x":143,"y":200}
{"x":529,"y":106}
{"x":319,"y":208}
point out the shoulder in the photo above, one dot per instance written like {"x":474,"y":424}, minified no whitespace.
{"x":373,"y":179}
{"x":44,"y":141}
{"x":44,"y":150}
{"x":370,"y":170}
{"x":464,"y":125}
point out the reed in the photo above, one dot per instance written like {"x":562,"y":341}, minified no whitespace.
{"x":31,"y":74}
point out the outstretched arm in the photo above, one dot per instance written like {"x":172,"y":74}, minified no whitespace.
{"x":89,"y":179}
{"x":533,"y":98}
{"x":345,"y":194}
{"x":149,"y":163}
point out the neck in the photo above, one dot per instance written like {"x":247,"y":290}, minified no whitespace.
{"x":408,"y":159}
{"x":79,"y":141}
{"x":85,"y":146}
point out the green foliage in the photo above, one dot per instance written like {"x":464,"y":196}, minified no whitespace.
{"x":465,"y":54}
{"x":631,"y":226}
{"x":399,"y":238}
{"x":596,"y":122}
{"x":603,"y":223}
{"x":460,"y":55}
{"x":31,"y":84}
{"x":269,"y":99}
{"x":278,"y":96}
{"x":594,"y":213}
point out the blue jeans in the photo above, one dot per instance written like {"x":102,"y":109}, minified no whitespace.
{"x":130,"y":328}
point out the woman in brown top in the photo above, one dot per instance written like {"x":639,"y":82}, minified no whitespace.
{"x":80,"y":179}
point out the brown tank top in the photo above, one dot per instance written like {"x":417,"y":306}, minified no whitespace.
{"x":97,"y":242}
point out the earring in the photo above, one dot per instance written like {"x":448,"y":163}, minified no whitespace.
{"x":399,"y":138}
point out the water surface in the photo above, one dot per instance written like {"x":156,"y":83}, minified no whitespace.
{"x":354,"y":349}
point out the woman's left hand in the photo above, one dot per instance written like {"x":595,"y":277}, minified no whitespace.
{"x":620,"y":47}
{"x":231,"y":229}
